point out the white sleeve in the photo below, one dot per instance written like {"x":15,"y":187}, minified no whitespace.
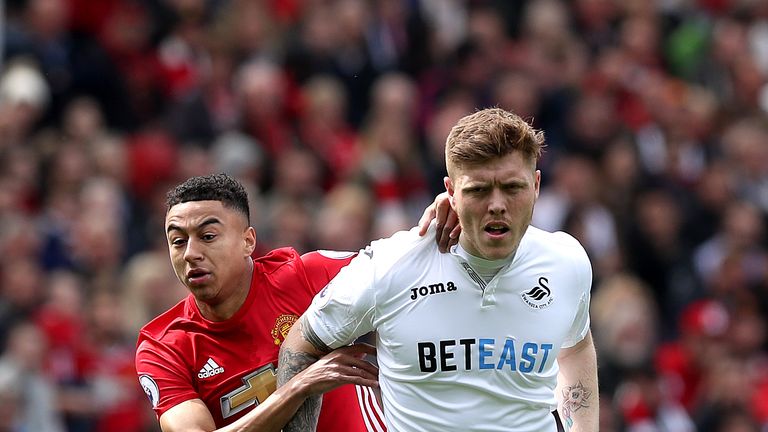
{"x":343,"y":310}
{"x":581,"y":322}
{"x":580,"y":325}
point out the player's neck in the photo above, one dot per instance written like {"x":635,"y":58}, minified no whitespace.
{"x":228,"y":307}
{"x":485,"y":267}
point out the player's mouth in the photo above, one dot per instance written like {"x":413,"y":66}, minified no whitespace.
{"x":198,"y":276}
{"x":496,"y":229}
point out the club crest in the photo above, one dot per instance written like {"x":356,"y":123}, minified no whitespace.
{"x":283,"y":325}
{"x":540,"y":296}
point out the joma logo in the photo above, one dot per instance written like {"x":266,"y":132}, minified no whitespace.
{"x":430,"y":289}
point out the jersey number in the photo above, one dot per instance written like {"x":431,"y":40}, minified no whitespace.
{"x":257,"y":386}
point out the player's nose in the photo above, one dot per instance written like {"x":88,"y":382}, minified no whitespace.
{"x":193,"y":251}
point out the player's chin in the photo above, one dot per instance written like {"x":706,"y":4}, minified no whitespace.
{"x":202,"y":291}
{"x":497,"y":252}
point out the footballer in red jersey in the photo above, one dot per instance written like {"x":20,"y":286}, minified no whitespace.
{"x":209,"y":362}
{"x":230,"y":365}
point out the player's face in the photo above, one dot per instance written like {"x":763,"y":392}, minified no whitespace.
{"x":209,"y":246}
{"x":494,"y":202}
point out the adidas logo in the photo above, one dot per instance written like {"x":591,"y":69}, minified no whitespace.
{"x":210,"y":369}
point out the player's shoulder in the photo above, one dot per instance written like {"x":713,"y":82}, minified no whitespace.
{"x":161,"y":328}
{"x":402,"y":253}
{"x":322,"y":258}
{"x":559,"y":243}
{"x":287,"y":259}
{"x":558,"y":251}
{"x":276,"y":260}
{"x":403,"y":242}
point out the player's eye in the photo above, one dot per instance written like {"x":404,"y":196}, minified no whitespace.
{"x":178,"y":241}
{"x":208,"y":237}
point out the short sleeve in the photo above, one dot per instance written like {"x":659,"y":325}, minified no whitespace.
{"x":322,"y":265}
{"x":580,"y":325}
{"x":162,"y":376}
{"x":344,"y":309}
{"x":581,"y":322}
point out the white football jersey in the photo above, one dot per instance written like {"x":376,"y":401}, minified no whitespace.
{"x":457,"y":353}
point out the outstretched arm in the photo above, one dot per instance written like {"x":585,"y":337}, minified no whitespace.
{"x":577,"y":390}
{"x":342,"y":366}
{"x":448,"y":228}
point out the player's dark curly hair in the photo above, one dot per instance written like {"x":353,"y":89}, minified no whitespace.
{"x":215,"y":187}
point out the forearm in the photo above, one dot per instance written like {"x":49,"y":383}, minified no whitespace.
{"x":296,"y":354}
{"x":268,"y":416}
{"x":272,"y":414}
{"x":305,"y":416}
{"x":577,"y":389}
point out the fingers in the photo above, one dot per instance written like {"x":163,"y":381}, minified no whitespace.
{"x":448,"y":228}
{"x":455,"y":233}
{"x":342,"y":366}
{"x":454,"y":238}
{"x":358,"y":367}
{"x":442,"y":208}
{"x":426,"y":218}
{"x":353,"y":356}
{"x":438,"y":210}
{"x":358,"y":349}
{"x":449,"y":234}
{"x":351,"y":375}
{"x":320,"y":378}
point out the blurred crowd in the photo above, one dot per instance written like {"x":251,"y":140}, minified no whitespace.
{"x":334,"y":114}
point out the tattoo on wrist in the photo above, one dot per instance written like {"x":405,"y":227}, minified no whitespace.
{"x":575,"y":397}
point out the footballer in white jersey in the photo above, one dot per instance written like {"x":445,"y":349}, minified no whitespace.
{"x":458,"y":352}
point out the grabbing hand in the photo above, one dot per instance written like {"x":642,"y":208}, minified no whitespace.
{"x":341,"y":366}
{"x":448,"y":228}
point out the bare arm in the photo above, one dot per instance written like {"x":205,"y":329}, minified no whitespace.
{"x":448,"y":228}
{"x":296,"y":354}
{"x":577,"y":391}
{"x":268,"y":416}
{"x":342,"y":366}
{"x":300,"y":350}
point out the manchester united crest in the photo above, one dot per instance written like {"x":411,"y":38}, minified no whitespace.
{"x":283,"y":325}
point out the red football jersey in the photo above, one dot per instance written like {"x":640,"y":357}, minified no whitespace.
{"x":230,"y":365}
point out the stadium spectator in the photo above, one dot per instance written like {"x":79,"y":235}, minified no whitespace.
{"x":22,"y":372}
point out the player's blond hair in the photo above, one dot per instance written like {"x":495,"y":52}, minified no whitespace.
{"x":489,"y":134}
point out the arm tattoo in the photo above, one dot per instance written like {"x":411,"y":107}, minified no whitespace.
{"x":291,"y":363}
{"x":311,"y":337}
{"x":575,"y":397}
{"x":306,"y":417}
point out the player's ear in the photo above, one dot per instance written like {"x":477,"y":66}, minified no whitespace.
{"x":249,"y":241}
{"x":448,"y":185}
{"x":537,"y":178}
{"x":450,"y":189}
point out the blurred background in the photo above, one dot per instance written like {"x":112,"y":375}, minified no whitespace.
{"x":334,"y":114}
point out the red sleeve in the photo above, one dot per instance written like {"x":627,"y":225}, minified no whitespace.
{"x":163,"y":375}
{"x":322,"y":266}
